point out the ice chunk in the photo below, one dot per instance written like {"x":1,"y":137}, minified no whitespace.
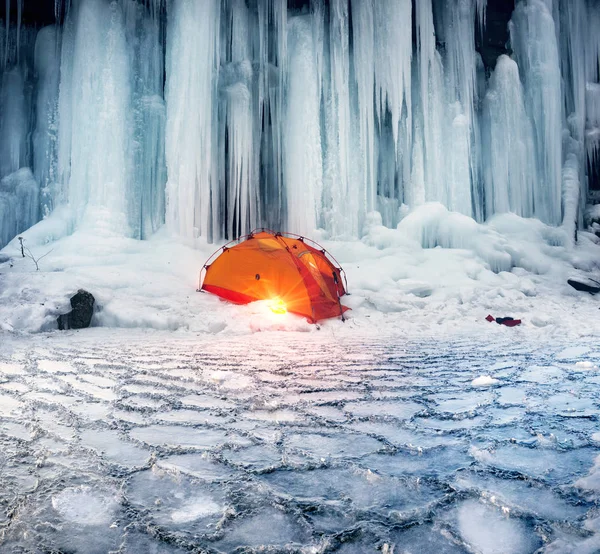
{"x":425,"y":538}
{"x":9,"y":405}
{"x":186,"y":437}
{"x":526,"y":496}
{"x":85,"y":506}
{"x":490,"y":532}
{"x":573,"y":352}
{"x":110,"y":446}
{"x":267,"y":528}
{"x":175,"y":501}
{"x":401,"y":409}
{"x":197,"y":465}
{"x":554,"y":466}
{"x":365,"y":489}
{"x":55,"y":366}
{"x":258,"y":457}
{"x":484,"y":381}
{"x":591,"y":482}
{"x":8,"y":368}
{"x":323,"y":446}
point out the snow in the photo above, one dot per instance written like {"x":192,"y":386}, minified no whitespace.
{"x":509,"y":266}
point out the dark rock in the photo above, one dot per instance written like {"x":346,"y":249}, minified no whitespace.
{"x":584,"y":287}
{"x":81,"y":314}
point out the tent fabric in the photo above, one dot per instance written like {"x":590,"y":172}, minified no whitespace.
{"x":270,"y":266}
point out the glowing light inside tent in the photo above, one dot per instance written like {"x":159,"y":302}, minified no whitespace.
{"x":277,"y":306}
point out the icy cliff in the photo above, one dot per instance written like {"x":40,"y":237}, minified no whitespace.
{"x":215,"y":117}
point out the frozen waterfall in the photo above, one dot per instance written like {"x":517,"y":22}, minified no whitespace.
{"x":218,"y":116}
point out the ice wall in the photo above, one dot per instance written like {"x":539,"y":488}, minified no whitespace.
{"x":218,"y":116}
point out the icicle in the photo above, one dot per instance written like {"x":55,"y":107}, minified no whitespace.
{"x":303,"y":166}
{"x":510,"y":175}
{"x":237,"y":137}
{"x":14,"y":122}
{"x":534,"y":41}
{"x":480,"y":8}
{"x":363,"y":32}
{"x":461,"y":78}
{"x":7,"y":30}
{"x":19,"y":205}
{"x":192,"y":63}
{"x":146,"y":202}
{"x":341,"y":195}
{"x":19,"y":16}
{"x":431,"y":101}
{"x":47,"y":67}
{"x":393,"y":34}
{"x":94,"y":115}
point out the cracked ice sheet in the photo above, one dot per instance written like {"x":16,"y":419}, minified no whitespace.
{"x":221,"y":444}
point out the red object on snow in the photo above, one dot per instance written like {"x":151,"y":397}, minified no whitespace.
{"x":508,"y":321}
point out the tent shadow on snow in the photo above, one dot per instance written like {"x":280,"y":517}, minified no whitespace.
{"x":281,"y":268}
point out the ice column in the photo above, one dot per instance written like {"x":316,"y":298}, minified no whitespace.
{"x":533,"y":37}
{"x":192,"y":63}
{"x":146,"y":204}
{"x":47,"y":68}
{"x":94,"y":111}
{"x":430,"y":104}
{"x":270,"y":120}
{"x":510,"y":175}
{"x":14,"y":122}
{"x":239,"y":138}
{"x":461,"y":78}
{"x":303,"y":162}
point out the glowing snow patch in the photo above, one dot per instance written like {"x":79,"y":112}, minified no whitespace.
{"x":484,"y":381}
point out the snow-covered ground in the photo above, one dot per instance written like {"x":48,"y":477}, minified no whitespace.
{"x":437,"y":273}
{"x":153,"y":441}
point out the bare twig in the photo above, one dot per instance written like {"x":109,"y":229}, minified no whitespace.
{"x":35,"y":260}
{"x":21,"y":239}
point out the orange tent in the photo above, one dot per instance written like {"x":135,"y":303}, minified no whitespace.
{"x":285,"y":269}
